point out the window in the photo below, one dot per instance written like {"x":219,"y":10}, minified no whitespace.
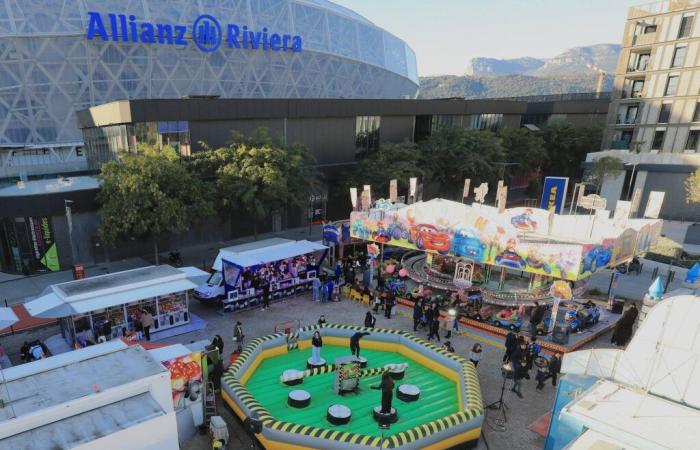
{"x":671,"y":85}
{"x":693,"y":139}
{"x":486,"y":121}
{"x":686,"y":25}
{"x":696,"y":113}
{"x":637,"y":86}
{"x":366,"y":134}
{"x":440,"y":121}
{"x":678,"y":57}
{"x":664,"y":113}
{"x":650,"y":29}
{"x":642,"y":61}
{"x":658,"y":139}
{"x":631,"y":115}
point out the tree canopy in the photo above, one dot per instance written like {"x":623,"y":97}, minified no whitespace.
{"x":605,"y":167}
{"x":567,"y":146}
{"x":148,"y":195}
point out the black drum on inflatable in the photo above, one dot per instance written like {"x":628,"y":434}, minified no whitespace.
{"x":408,"y":392}
{"x":299,"y":399}
{"x":384,"y":419}
{"x":338,"y":414}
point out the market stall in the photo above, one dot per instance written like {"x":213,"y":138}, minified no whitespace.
{"x":110,"y":306}
{"x":288,"y":268}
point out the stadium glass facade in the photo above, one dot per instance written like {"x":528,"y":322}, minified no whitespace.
{"x":60,"y":56}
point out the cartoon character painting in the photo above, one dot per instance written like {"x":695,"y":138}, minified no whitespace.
{"x":536,"y":260}
{"x":597,"y":257}
{"x":430,"y":237}
{"x":524,"y":221}
{"x":466,"y":243}
{"x":509,"y":257}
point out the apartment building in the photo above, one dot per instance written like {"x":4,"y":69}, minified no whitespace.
{"x":653,"y":123}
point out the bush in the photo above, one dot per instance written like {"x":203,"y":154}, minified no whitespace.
{"x":594,"y":291}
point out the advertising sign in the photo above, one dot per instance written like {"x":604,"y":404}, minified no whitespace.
{"x":592,"y":201}
{"x":185,"y":379}
{"x":622,"y":213}
{"x":43,"y":245}
{"x":331,"y":234}
{"x":654,"y":203}
{"x":613,"y":287}
{"x":636,"y":199}
{"x":353,"y":197}
{"x":412,"y":185}
{"x":502,"y":198}
{"x":465,"y":191}
{"x":554,"y":193}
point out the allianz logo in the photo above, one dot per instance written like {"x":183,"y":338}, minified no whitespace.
{"x":206,"y":34}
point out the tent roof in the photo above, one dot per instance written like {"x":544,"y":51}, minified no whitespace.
{"x":91,"y":294}
{"x":7,"y":317}
{"x":274,"y":253}
{"x":228,"y":252}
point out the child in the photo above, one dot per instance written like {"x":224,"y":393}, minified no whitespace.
{"x":475,"y":354}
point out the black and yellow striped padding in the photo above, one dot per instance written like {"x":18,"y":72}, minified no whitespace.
{"x":319,"y":370}
{"x":471,"y":384}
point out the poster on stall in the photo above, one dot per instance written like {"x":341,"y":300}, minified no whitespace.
{"x":185,"y":379}
{"x":43,"y":245}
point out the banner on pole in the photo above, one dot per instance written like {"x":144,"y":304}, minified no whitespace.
{"x":502,"y":199}
{"x":353,"y":197}
{"x":412,"y":185}
{"x":636,"y":200}
{"x":654,"y":203}
{"x":393,"y":190}
{"x":554,"y":193}
{"x":465,"y":191}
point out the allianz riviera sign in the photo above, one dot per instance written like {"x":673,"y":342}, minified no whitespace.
{"x":207,"y":34}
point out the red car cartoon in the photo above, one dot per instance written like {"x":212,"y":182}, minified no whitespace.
{"x":430,"y":238}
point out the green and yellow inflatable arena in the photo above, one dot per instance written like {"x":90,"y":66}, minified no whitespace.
{"x":296,"y":401}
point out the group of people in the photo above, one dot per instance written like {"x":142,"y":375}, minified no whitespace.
{"x":324,"y":289}
{"x":520,"y":357}
{"x":426,"y":314}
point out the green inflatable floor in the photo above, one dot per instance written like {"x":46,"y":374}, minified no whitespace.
{"x":438,"y":397}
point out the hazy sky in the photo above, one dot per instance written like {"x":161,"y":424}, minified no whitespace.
{"x":445,"y":34}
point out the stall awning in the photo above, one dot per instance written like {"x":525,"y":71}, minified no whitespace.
{"x":229,"y":252}
{"x":7,"y":317}
{"x":96,"y":293}
{"x":274,"y":253}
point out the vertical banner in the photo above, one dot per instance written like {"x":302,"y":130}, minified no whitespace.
{"x":353,"y":198}
{"x":498,"y":191}
{"x":365,"y":199}
{"x":502,"y":199}
{"x":393,"y":190}
{"x":465,"y":191}
{"x":554,"y":193}
{"x":613,"y":287}
{"x":43,"y":244}
{"x":654,"y":203}
{"x":636,"y":200}
{"x":412,"y":185}
{"x":622,"y":213}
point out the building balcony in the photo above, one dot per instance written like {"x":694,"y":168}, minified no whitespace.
{"x":637,"y":69}
{"x":644,"y":39}
{"x":631,"y":95}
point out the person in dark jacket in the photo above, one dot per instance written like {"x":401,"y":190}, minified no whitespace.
{"x":370,"y":320}
{"x":238,"y":336}
{"x":355,"y":342}
{"x":417,"y":315}
{"x":533,"y":351}
{"x":511,"y":344}
{"x":551,"y":371}
{"x":316,"y":344}
{"x":390,"y":301}
{"x":266,"y":296}
{"x":434,"y":329}
{"x":218,"y":342}
{"x":322,"y":320}
{"x":387,"y":387}
{"x":536,"y":318}
{"x":625,"y":326}
{"x":519,"y":366}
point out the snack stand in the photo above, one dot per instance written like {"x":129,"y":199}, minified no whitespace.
{"x":289,"y":268}
{"x":110,"y":305}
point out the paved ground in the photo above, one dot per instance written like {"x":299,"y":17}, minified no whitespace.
{"x":257,"y":323}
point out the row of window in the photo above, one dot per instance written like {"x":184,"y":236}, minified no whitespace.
{"x":625,"y":140}
{"x":632,"y":111}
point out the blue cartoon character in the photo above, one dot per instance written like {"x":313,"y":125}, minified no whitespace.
{"x":397,"y":231}
{"x":524,"y":221}
{"x":596,"y":258}
{"x":509,"y":257}
{"x":467,"y":244}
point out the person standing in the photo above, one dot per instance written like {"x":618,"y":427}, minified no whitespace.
{"x":555,"y":368}
{"x":387,"y":388}
{"x":316,"y":344}
{"x":511,"y":344}
{"x":337,"y":272}
{"x":146,"y":323}
{"x":329,"y":290}
{"x":475,"y":354}
{"x":218,"y":342}
{"x":517,"y":362}
{"x":417,"y":314}
{"x":624,"y":327}
{"x":316,"y":289}
{"x":355,"y":342}
{"x":266,"y":296}
{"x":389,"y":304}
{"x":322,"y":320}
{"x":370,"y":320}
{"x":238,"y":336}
{"x":434,"y":329}
{"x":536,"y":318}
{"x":533,"y":351}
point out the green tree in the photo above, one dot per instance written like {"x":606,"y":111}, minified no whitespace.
{"x":604,"y":167}
{"x":524,"y":148}
{"x":454,"y":153}
{"x":257,"y":175}
{"x":692,"y":187}
{"x":399,"y":161}
{"x":149,"y":195}
{"x":567,"y":146}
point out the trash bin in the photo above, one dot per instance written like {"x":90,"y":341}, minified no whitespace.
{"x":78,"y":272}
{"x":618,"y":306}
{"x":560,"y":334}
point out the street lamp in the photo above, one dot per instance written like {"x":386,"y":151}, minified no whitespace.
{"x":69,"y":220}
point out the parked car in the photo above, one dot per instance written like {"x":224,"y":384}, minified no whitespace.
{"x":397,"y":231}
{"x":596,"y":258}
{"x":430,"y":238}
{"x":466,"y":243}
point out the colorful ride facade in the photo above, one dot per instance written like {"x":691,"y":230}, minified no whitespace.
{"x":532,"y":240}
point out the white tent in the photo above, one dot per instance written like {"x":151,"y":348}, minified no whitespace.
{"x":7,"y":317}
{"x":274,"y":253}
{"x":229,"y":252}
